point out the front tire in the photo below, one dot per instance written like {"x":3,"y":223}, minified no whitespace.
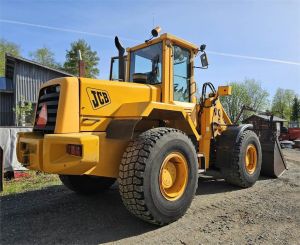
{"x":158,"y":175}
{"x":85,"y":184}
{"x":243,"y":169}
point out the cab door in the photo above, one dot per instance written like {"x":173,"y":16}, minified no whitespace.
{"x":182,"y":78}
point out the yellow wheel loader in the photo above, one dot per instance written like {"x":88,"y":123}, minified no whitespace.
{"x":143,"y":128}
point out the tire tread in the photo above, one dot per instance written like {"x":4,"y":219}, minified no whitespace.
{"x":131,"y":171}
{"x":234,"y":172}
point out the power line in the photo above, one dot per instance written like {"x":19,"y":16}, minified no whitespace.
{"x":64,"y":30}
{"x":135,"y":40}
{"x":254,"y":58}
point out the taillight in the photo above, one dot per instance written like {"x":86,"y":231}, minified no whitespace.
{"x":75,"y":150}
{"x":42,"y":117}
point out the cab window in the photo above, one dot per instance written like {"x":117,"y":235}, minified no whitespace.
{"x":181,"y":74}
{"x":114,"y":68}
{"x":145,"y":64}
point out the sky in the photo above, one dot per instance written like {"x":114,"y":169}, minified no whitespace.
{"x":245,"y":39}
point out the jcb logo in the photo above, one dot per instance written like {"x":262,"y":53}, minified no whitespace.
{"x":98,"y":98}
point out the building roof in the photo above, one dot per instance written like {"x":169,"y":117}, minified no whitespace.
{"x":16,"y":58}
{"x":267,"y":118}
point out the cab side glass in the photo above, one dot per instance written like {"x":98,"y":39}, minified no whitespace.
{"x":181,"y":74}
{"x":114,"y":68}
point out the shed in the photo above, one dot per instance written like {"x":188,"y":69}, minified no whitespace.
{"x":22,"y":81}
{"x":268,"y":129}
{"x":263,"y":122}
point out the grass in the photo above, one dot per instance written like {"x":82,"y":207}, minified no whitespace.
{"x":34,"y":181}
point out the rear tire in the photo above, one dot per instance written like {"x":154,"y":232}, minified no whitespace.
{"x":158,"y":175}
{"x":244,"y":168}
{"x":85,"y":184}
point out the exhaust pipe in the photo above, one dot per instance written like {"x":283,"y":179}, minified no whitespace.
{"x":121,"y":59}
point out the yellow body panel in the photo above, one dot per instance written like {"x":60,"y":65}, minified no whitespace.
{"x":224,"y":90}
{"x":210,"y":115}
{"x":94,"y":123}
{"x":68,"y":110}
{"x":101,"y":156}
{"x":167,"y":96}
{"x":30,"y":146}
{"x":119,"y":93}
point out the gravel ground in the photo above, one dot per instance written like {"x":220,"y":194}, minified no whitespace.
{"x":267,"y":213}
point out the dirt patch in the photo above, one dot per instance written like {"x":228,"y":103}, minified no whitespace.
{"x":267,"y":213}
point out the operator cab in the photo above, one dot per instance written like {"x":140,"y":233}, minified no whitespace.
{"x":166,"y":61}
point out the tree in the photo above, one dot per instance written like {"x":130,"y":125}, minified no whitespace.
{"x":295,"y":110}
{"x":7,"y":47}
{"x":258,"y":96}
{"x":89,"y":57}
{"x":282,"y":103}
{"x":290,"y":95}
{"x":233,"y":104}
{"x":24,"y":110}
{"x":279,"y":103}
{"x":248,"y":93}
{"x":44,"y":56}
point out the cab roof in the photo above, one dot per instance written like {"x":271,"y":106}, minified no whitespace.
{"x":166,"y":36}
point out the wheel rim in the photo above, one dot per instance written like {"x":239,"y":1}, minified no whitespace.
{"x":251,"y":159}
{"x":173,"y":176}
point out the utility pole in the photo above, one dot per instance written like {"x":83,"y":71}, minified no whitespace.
{"x":81,"y":65}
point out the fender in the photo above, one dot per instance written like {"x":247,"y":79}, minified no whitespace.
{"x":226,"y":142}
{"x":151,"y":111}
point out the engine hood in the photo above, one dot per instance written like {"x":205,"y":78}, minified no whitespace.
{"x":102,"y":98}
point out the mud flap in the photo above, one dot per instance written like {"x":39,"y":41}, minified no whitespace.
{"x":273,"y":162}
{"x":121,"y":128}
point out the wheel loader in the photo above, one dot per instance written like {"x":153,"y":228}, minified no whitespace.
{"x":144,"y":128}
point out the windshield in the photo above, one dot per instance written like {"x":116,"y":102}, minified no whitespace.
{"x":145,"y":65}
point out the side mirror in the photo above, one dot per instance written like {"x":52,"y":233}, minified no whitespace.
{"x":204,"y":61}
